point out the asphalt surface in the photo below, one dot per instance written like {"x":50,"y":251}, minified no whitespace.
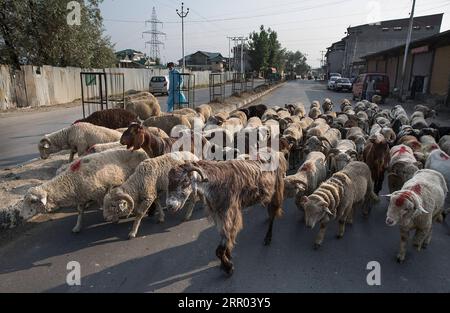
{"x":21,"y":133}
{"x":180,"y":256}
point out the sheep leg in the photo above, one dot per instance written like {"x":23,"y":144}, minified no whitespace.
{"x":427,"y":240}
{"x":419,"y":238}
{"x":320,"y":235}
{"x":160,"y":210}
{"x":140,"y":213}
{"x":72,"y":154}
{"x":341,"y":230}
{"x":78,"y":225}
{"x":190,"y":203}
{"x":404,"y":236}
{"x":224,"y":254}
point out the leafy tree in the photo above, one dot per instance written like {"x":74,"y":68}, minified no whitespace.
{"x":36,"y":32}
{"x":296,"y":62}
{"x":259,"y":50}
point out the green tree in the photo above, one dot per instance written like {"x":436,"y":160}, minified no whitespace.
{"x":296,"y":62}
{"x":265,"y":50}
{"x":36,"y":32}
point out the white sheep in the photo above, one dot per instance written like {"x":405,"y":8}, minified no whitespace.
{"x":144,"y":187}
{"x":402,"y":167}
{"x":415,"y":206}
{"x":78,"y":138}
{"x":308,"y":177}
{"x":439,"y":161}
{"x":86,"y":180}
{"x":341,"y":155}
{"x":444,"y":143}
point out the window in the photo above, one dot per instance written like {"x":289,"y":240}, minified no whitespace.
{"x":158,"y":79}
{"x":429,"y":27}
{"x":397,"y":28}
{"x":385,"y":29}
{"x":416,"y":27}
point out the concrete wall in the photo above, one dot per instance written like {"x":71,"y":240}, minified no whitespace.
{"x":48,"y":85}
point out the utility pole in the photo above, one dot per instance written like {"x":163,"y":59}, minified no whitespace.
{"x":182,"y":14}
{"x":405,"y":57}
{"x":229,"y":53}
{"x":322,"y":61}
{"x":240,"y":40}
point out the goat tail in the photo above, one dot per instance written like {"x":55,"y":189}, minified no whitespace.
{"x":276,"y":203}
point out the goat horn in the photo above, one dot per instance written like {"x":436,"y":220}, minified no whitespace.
{"x":199,"y":171}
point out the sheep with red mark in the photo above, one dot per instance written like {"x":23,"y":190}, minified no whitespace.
{"x":402,"y":167}
{"x":228,"y":187}
{"x":143,"y":188}
{"x":77,"y":138}
{"x":376,"y":155}
{"x":415,"y":206}
{"x":86,"y":180}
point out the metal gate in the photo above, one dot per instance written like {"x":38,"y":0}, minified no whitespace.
{"x":249,"y":81}
{"x":238,"y":84}
{"x":183,"y":93}
{"x":216,"y":87}
{"x":100,"y":91}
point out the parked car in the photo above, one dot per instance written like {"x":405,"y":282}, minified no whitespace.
{"x":335,"y":75}
{"x":343,"y":84}
{"x":159,"y":84}
{"x":381,"y":85}
{"x":332,"y":82}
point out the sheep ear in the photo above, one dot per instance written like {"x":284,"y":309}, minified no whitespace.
{"x":42,"y":200}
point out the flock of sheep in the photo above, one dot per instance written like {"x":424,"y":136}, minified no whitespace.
{"x":127,"y":167}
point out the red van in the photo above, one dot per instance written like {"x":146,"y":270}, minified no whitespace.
{"x":381,"y":85}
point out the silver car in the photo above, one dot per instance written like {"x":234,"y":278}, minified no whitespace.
{"x":159,"y":84}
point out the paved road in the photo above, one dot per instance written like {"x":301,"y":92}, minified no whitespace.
{"x":21,"y":133}
{"x":177,"y":256}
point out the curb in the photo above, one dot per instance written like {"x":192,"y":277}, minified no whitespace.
{"x":228,"y":107}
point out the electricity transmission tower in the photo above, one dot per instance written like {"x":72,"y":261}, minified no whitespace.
{"x":154,"y":33}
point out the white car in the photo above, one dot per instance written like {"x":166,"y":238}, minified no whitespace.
{"x":159,"y":84}
{"x":343,"y":84}
{"x":332,"y":82}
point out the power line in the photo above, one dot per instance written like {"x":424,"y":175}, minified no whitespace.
{"x":155,"y":33}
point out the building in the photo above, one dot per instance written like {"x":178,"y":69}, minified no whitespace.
{"x":335,"y":57}
{"x":371,"y":38}
{"x":427,"y":68}
{"x":130,"y":58}
{"x":204,"y":61}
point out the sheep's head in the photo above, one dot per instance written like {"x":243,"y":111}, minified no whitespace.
{"x":133,"y":137}
{"x":293,"y":186}
{"x":45,"y":148}
{"x":404,"y":205}
{"x":183,"y":181}
{"x":117,"y":204}
{"x":360,"y":143}
{"x":315,"y":210}
{"x":36,"y":201}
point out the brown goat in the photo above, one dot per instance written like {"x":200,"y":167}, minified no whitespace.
{"x":138,"y":136}
{"x":110,"y":118}
{"x":376,"y":155}
{"x":228,"y":187}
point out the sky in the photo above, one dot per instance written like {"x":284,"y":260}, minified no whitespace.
{"x":306,"y":25}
